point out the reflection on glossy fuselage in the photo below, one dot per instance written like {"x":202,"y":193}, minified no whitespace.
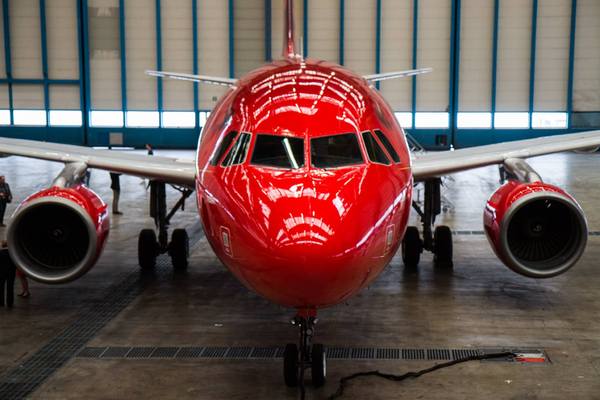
{"x":303,"y":237}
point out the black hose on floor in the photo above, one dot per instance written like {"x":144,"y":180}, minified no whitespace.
{"x":397,"y":378}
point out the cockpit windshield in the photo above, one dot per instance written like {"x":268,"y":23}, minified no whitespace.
{"x":278,"y":151}
{"x":335,"y":151}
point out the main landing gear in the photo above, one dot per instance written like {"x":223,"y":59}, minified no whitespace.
{"x":438,"y":240}
{"x":306,"y":355}
{"x":151,"y":245}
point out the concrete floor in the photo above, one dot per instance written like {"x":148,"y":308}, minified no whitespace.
{"x":480,"y":304}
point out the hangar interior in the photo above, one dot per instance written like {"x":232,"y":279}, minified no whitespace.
{"x":73,"y":71}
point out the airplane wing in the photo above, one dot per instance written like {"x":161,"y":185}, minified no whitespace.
{"x":395,"y":75}
{"x":171,"y":170}
{"x":212,"y":80}
{"x":428,"y":165}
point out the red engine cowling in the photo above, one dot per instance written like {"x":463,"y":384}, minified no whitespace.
{"x":57,"y":235}
{"x":536,"y":229}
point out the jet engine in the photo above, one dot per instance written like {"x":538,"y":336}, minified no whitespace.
{"x":536,"y":229}
{"x":58,"y":234}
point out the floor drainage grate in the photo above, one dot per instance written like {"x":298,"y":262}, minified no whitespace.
{"x":338,"y":353}
{"x":20,"y":382}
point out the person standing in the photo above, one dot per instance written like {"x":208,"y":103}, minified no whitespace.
{"x":8,"y":271}
{"x":5,"y":198}
{"x":115,"y":185}
{"x":149,"y":149}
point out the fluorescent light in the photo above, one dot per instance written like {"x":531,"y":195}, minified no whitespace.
{"x":113,"y":119}
{"x":30,"y":117}
{"x":511,"y":120}
{"x":404,"y":119}
{"x":65,"y":118}
{"x":142,"y":119}
{"x":179,"y":119}
{"x":432,"y":120}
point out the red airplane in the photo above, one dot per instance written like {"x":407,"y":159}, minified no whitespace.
{"x":304,"y":184}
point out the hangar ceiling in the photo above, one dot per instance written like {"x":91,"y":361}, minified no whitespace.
{"x":73,"y":70}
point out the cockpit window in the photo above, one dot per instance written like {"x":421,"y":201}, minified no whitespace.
{"x":278,"y":151}
{"x":225,"y":143}
{"x":335,"y":151}
{"x":237,"y":154}
{"x":388,"y":146}
{"x":375,"y":152}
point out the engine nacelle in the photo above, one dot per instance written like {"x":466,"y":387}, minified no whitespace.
{"x":58,"y":234}
{"x":536,"y":229}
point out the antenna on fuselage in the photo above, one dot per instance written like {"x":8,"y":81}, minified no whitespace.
{"x":289,"y":41}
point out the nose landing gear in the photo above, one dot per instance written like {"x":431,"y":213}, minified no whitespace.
{"x":306,"y":355}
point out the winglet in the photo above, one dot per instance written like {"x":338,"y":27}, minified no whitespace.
{"x":289,"y":42}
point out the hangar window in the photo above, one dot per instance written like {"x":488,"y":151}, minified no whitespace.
{"x":388,"y":146}
{"x":278,"y":151}
{"x":29,"y":117}
{"x":375,"y":152}
{"x":106,"y":119}
{"x":4,"y":117}
{"x":225,"y":143}
{"x":335,"y":151}
{"x":237,"y":154}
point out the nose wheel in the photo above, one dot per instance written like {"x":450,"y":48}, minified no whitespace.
{"x":306,"y":355}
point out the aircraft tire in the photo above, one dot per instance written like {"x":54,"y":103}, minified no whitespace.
{"x":411,"y":247}
{"x":442,"y":244}
{"x":147,"y":249}
{"x":179,"y":249}
{"x":318,"y":365}
{"x":290,"y":365}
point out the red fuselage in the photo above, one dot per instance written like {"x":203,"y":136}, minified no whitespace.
{"x":303,"y":236}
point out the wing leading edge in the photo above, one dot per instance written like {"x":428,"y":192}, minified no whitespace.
{"x":434,"y":164}
{"x":171,"y":170}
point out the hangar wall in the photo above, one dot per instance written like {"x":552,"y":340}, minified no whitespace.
{"x":73,"y":70}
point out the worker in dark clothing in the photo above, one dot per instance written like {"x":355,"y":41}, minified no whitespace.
{"x":149,"y":149}
{"x":115,"y":185}
{"x":5,"y":198}
{"x":8,"y":272}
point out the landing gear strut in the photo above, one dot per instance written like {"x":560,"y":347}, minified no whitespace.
{"x":306,"y":355}
{"x":437,"y":240}
{"x":151,"y":245}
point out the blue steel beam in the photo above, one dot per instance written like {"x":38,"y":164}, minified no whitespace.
{"x":195,"y":61}
{"x":83,"y":60}
{"x":15,"y":81}
{"x":532,"y":60}
{"x":571,"y":63}
{"x":342,"y":30}
{"x":454,"y":67}
{"x":44,"y":45}
{"x":495,"y":61}
{"x":7,"y":58}
{"x":378,"y":24}
{"x":231,"y":39}
{"x":86,"y":62}
{"x":159,"y":82}
{"x":305,"y":28}
{"x":268,"y":31}
{"x":415,"y":54}
{"x":123,"y":50}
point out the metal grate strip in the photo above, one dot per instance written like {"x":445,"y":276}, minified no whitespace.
{"x":21,"y":381}
{"x":254,"y":353}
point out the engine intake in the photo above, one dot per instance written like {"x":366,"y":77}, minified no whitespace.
{"x":58,"y":234}
{"x":536,"y":229}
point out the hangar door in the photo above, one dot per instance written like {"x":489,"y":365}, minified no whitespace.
{"x":73,"y":70}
